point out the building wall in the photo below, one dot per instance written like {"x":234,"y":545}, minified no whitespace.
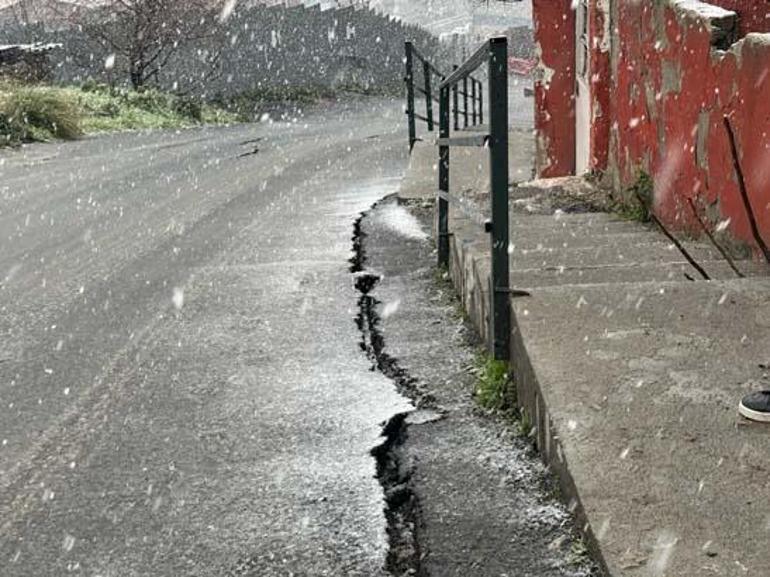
{"x":661,"y":92}
{"x":672,"y":92}
{"x":601,"y":33}
{"x":554,"y":22}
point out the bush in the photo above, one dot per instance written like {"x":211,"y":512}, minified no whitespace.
{"x":35,"y":113}
{"x":149,"y":101}
{"x":189,"y":108}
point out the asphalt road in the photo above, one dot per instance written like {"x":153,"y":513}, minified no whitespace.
{"x":181,"y":386}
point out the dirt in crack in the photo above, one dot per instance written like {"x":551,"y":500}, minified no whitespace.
{"x":402,"y":508}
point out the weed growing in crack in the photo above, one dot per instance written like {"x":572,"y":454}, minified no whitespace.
{"x":637,"y":199}
{"x":524,"y":424}
{"x":494,"y":388}
{"x":578,"y":553}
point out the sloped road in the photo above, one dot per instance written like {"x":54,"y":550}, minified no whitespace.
{"x":181,"y":386}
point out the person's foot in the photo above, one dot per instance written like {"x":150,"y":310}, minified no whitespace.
{"x":756,"y":406}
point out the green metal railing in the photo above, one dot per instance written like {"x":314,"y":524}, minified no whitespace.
{"x":493,"y":54}
{"x":421,"y":79}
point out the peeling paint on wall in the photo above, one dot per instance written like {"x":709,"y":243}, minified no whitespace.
{"x":554,"y":87}
{"x":660,"y":91}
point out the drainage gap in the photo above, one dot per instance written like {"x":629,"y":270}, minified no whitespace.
{"x":402,"y":508}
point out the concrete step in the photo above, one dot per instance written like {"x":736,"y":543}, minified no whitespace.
{"x":634,"y":394}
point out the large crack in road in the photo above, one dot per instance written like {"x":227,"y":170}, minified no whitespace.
{"x":465,"y":493}
{"x":402,"y":508}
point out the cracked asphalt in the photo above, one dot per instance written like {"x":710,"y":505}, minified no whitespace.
{"x":482,"y":503}
{"x":182,"y":390}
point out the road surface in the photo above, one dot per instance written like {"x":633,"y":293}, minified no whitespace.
{"x":182,"y":390}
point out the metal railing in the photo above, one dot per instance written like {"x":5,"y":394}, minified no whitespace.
{"x":419,"y":67}
{"x":493,"y":54}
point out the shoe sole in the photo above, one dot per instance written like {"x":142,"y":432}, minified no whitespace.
{"x":753,"y":415}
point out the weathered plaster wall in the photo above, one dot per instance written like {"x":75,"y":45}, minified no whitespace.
{"x":554,"y":87}
{"x":601,"y":121}
{"x":661,"y":88}
{"x":672,"y":93}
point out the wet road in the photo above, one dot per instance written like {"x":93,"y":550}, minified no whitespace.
{"x":181,"y":386}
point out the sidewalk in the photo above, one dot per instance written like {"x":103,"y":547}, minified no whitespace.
{"x":630,"y":373}
{"x":466,"y":496}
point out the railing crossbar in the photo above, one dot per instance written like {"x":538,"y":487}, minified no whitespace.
{"x":424,"y":60}
{"x":469,"y":66}
{"x":479,"y":140}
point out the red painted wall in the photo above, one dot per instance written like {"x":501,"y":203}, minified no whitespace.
{"x":554,"y":94}
{"x":600,"y":83}
{"x":660,"y":97}
{"x":554,"y":87}
{"x":672,"y":93}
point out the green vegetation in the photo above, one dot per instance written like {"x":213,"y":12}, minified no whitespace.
{"x":110,"y":109}
{"x":31,"y":113}
{"x":639,"y":197}
{"x":494,"y":390}
{"x":578,"y":553}
{"x":524,"y":424}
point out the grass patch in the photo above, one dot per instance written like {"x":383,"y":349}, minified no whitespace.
{"x":494,"y":389}
{"x":30,"y":113}
{"x":108,"y":109}
{"x":638,"y":197}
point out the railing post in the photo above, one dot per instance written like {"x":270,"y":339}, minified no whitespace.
{"x":473,"y":99}
{"x":443,"y":181}
{"x":465,"y":102}
{"x":481,"y":103}
{"x":428,"y":95}
{"x":409,"y":79}
{"x":456,"y":103}
{"x":500,"y":317}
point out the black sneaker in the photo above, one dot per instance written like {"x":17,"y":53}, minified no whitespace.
{"x":756,"y":406}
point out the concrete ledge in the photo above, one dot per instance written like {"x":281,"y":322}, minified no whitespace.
{"x":632,"y":386}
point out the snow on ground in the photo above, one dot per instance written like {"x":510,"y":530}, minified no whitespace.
{"x":396,"y":218}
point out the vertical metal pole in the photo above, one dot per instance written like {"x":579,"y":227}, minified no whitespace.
{"x":409,"y":79}
{"x":456,"y":103}
{"x":500,"y":317}
{"x":473,"y":99}
{"x":481,"y":103}
{"x":428,"y":95}
{"x":465,"y":102}
{"x":443,"y":181}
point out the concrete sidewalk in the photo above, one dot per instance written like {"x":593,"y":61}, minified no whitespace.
{"x":469,"y":497}
{"x":631,"y":374}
